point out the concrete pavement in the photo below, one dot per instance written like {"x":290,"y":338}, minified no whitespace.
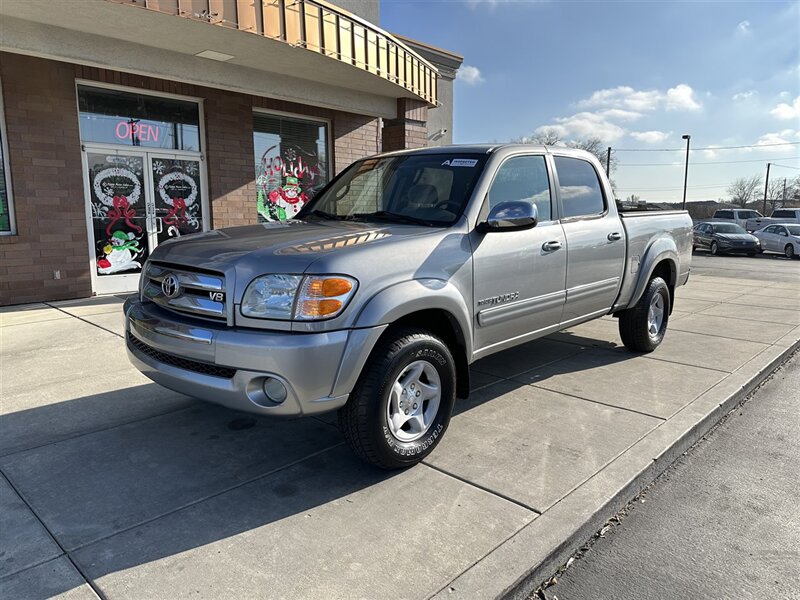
{"x":115,"y":486}
{"x":722,"y":522}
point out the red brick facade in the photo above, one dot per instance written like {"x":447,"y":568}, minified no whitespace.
{"x":47,"y":175}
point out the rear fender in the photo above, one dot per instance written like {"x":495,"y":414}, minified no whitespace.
{"x":664,"y":248}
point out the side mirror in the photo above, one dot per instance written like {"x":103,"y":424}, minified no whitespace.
{"x":511,"y":216}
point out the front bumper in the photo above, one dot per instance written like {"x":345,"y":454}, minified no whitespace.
{"x":228,"y":365}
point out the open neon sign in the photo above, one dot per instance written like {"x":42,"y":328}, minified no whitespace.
{"x":127,"y":130}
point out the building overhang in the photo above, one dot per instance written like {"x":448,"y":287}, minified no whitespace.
{"x":308,"y":40}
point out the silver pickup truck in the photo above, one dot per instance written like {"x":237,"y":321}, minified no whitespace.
{"x":402,"y":271}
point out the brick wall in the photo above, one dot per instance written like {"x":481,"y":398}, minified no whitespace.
{"x":45,"y":164}
{"x":409,"y":129}
{"x":47,"y":178}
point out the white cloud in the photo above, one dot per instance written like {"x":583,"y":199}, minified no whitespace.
{"x":469,"y":75}
{"x":710,"y":152}
{"x":779,"y":137}
{"x":620,"y":115}
{"x":681,"y":97}
{"x":586,"y":124}
{"x":744,"y":95}
{"x":743,"y":28}
{"x":784,"y":111}
{"x":623,"y":97}
{"x":650,"y":137}
{"x":785,"y":94}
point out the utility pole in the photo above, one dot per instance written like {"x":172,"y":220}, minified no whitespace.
{"x":686,"y":137}
{"x":783,"y":201}
{"x":766,"y":187}
{"x":608,"y":162}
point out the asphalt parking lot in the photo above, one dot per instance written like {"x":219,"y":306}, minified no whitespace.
{"x":114,"y":486}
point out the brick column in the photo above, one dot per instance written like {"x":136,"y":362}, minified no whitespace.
{"x":409,"y":129}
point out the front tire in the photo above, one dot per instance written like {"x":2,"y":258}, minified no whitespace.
{"x":401,"y":405}
{"x":642,"y":327}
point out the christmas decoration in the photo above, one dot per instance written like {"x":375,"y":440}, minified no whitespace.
{"x":120,"y":253}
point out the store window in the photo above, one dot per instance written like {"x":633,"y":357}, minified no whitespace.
{"x":291,"y":163}
{"x":117,"y":117}
{"x":6,"y":207}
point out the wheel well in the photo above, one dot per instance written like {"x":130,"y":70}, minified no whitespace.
{"x":443,"y":325}
{"x":667,"y":271}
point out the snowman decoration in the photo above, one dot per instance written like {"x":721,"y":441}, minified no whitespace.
{"x":120,"y":254}
{"x":289,"y":199}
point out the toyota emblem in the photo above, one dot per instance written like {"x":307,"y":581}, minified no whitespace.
{"x":171,"y":286}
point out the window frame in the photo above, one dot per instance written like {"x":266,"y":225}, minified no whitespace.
{"x":600,"y":184}
{"x":12,"y":220}
{"x":555,"y":210}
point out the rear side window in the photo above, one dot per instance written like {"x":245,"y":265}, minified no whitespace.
{"x":523,"y":178}
{"x":783,"y":214}
{"x":579,"y":186}
{"x":724,"y":214}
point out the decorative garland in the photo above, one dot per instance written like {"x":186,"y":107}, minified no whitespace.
{"x":176,"y":176}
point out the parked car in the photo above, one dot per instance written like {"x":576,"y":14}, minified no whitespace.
{"x":780,"y":215}
{"x":736,"y":215}
{"x":724,"y":238}
{"x":403,"y":270}
{"x":781,"y":237}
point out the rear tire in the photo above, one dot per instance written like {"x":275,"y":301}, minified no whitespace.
{"x":401,"y":405}
{"x":714,"y":249}
{"x":788,"y":252}
{"x":642,"y":327}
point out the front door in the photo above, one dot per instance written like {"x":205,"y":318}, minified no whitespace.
{"x":519,"y":275}
{"x":135,"y":200}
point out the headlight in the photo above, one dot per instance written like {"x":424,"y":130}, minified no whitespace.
{"x":294,"y":297}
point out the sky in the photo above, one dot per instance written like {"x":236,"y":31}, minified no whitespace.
{"x":638,"y":75}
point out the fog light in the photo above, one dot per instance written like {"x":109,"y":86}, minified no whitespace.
{"x":274,"y":390}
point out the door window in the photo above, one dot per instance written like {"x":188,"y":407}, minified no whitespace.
{"x":119,"y":217}
{"x":724,"y":214}
{"x":770,"y":229}
{"x":291,"y":164}
{"x":523,"y":178}
{"x":177,"y":196}
{"x":129,"y":119}
{"x":579,"y":187}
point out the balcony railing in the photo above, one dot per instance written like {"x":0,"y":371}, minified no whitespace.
{"x":316,"y":26}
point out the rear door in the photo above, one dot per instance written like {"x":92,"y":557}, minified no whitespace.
{"x":595,"y":240}
{"x":768,"y":238}
{"x":519,"y":276}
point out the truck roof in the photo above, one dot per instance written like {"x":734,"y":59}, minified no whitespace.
{"x":486,"y":149}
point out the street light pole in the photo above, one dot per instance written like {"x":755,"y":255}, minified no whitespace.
{"x":766,"y":187}
{"x":686,"y":137}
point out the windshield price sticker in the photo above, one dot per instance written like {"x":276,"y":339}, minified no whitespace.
{"x":460,"y":162}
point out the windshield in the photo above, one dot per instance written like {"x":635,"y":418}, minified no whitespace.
{"x":728,"y":228}
{"x":428,"y":189}
{"x":793,"y":229}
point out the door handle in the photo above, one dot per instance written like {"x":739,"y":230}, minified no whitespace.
{"x":551,"y":246}
{"x":615,"y":236}
{"x":160,"y":222}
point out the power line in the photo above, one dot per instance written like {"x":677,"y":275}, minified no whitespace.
{"x":711,"y":162}
{"x":706,"y":148}
{"x":669,"y":189}
{"x":785,"y":166}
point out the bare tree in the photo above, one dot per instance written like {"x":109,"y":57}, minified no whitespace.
{"x":744,"y":189}
{"x":550,"y":136}
{"x":775,"y":193}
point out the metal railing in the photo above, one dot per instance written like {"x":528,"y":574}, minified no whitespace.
{"x":316,"y":26}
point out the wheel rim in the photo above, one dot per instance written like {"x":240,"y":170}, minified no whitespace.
{"x":714,"y":248}
{"x":788,"y":251}
{"x":414,"y":401}
{"x":655,"y":315}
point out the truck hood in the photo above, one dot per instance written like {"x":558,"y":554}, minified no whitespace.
{"x":280,"y":247}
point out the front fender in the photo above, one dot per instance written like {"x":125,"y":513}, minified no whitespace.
{"x":402,"y":299}
{"x":663,"y":248}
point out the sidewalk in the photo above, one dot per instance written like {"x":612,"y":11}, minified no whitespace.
{"x":150,"y":494}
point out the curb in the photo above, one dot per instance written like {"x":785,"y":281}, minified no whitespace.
{"x":516,"y":567}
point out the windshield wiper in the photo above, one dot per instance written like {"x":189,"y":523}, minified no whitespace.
{"x":393,"y":216}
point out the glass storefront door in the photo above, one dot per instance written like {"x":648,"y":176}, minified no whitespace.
{"x":137,"y":199}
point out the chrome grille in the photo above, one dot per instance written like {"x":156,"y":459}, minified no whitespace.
{"x":195,"y":295}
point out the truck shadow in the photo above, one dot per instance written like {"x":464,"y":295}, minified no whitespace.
{"x":161,"y":485}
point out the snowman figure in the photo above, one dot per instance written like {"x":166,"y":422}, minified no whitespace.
{"x":289,"y":199}
{"x":120,"y":252}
